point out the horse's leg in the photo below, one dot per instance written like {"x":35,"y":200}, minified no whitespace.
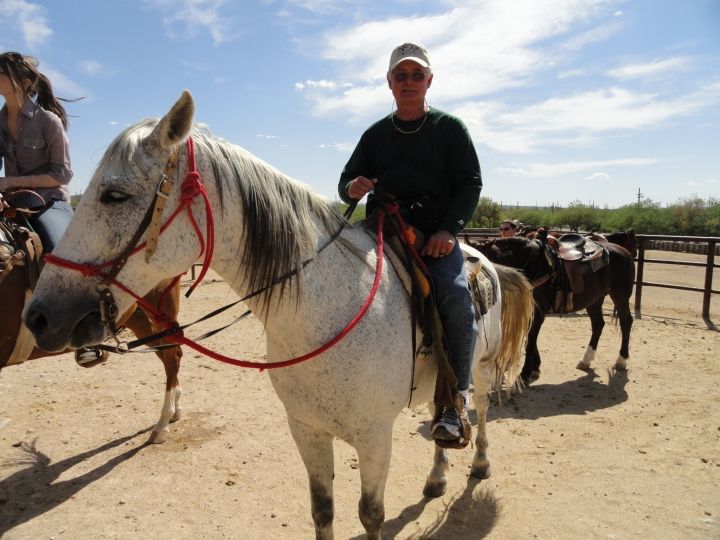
{"x":597,"y":322}
{"x":482,"y":381}
{"x":531,"y":369}
{"x":374,"y":451}
{"x":316,"y":451}
{"x":436,"y":482}
{"x":171,"y":411}
{"x":622,"y":308}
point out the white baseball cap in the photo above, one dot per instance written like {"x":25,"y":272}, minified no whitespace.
{"x":409,"y":51}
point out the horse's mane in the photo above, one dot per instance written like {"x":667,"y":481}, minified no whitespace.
{"x":278,"y":233}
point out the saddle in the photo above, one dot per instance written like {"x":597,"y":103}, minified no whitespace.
{"x":20,"y":264}
{"x":579,"y":256}
{"x":19,"y":248}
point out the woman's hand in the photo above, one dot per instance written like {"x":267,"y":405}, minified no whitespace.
{"x":439,"y":244}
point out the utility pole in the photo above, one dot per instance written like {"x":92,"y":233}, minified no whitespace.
{"x":639,"y":197}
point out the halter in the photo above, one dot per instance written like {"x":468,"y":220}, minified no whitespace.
{"x":191,"y":188}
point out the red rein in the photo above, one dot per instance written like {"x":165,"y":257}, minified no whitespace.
{"x":192,"y":186}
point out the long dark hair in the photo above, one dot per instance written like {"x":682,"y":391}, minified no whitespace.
{"x":19,"y":67}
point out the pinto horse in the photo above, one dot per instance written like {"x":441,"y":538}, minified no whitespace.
{"x":268,"y":234}
{"x":17,"y":344}
{"x":543,"y":269}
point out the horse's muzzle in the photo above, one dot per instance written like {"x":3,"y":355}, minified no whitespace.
{"x":59,"y":325}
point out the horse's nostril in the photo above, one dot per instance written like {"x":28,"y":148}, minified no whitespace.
{"x":36,"y":321}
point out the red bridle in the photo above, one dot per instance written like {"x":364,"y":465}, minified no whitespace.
{"x":191,"y":187}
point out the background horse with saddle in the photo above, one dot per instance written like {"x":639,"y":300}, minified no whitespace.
{"x":571,"y":272}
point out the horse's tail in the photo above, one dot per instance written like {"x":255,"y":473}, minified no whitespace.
{"x":517,"y":313}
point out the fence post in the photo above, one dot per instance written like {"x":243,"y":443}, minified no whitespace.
{"x":639,"y":276}
{"x":708,"y":279}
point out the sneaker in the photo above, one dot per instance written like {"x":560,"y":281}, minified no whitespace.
{"x":448,"y":427}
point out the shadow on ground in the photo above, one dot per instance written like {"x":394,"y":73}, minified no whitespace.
{"x":32,"y":491}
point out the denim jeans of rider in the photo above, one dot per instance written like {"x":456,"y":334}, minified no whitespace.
{"x":456,"y":311}
{"x":51,"y":223}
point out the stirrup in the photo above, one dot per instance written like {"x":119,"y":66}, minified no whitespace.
{"x":88,"y":357}
{"x":444,"y":437}
{"x":448,"y":426}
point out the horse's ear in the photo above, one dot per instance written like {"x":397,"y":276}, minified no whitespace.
{"x":175,"y":125}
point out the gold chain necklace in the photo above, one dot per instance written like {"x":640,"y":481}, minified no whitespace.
{"x":405,"y":132}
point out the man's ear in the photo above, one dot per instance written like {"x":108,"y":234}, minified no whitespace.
{"x":430,"y":80}
{"x":388,"y":80}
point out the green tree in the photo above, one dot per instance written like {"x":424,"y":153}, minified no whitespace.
{"x":688,"y":216}
{"x":487,"y":214}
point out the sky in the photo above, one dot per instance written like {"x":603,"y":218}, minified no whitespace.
{"x":596,"y":102}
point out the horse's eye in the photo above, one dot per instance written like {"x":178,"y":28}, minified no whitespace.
{"x":112,"y":196}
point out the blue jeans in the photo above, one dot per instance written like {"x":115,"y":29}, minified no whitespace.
{"x":51,"y":223}
{"x":456,"y":311}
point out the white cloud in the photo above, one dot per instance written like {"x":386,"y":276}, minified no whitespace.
{"x":267,"y":137}
{"x":598,"y":177}
{"x":571,"y":73}
{"x":320,"y":6}
{"x":30,"y":18}
{"x":579,"y":119}
{"x":477,"y":48}
{"x":343,"y":147}
{"x":546,"y":170}
{"x":310,"y":84}
{"x":91,"y":67}
{"x":707,"y":182}
{"x":64,"y":86}
{"x":190,"y":14}
{"x":654,"y":68}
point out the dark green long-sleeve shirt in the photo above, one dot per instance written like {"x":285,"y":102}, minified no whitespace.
{"x":437,"y":164}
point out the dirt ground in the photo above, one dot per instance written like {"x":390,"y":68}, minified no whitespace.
{"x":578,"y":455}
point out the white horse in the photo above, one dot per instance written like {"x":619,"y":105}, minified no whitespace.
{"x":266,"y":226}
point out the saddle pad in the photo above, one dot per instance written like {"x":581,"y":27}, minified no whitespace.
{"x":484,"y":291}
{"x":482,"y":284}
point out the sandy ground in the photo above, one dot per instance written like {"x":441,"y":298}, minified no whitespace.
{"x":577,"y":455}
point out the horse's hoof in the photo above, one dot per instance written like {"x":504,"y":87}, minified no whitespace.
{"x":158,"y":437}
{"x":177,"y":416}
{"x":582,"y":366}
{"x":481,"y":473}
{"x":435,"y":489}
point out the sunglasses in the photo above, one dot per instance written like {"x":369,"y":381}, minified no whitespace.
{"x":505,"y":228}
{"x":415,"y":76}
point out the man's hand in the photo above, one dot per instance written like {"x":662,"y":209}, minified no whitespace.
{"x":360,"y":187}
{"x":439,"y":244}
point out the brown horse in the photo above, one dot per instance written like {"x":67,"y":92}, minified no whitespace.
{"x":17,"y":344}
{"x":625,"y":239}
{"x":545,"y":271}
